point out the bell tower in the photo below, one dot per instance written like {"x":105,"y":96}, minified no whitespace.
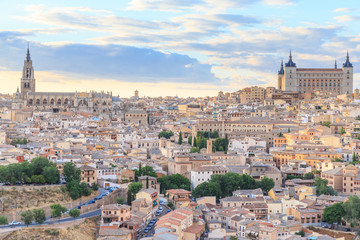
{"x":28,"y":79}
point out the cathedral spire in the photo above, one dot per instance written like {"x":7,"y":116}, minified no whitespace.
{"x":28,"y":58}
{"x":335,"y":64}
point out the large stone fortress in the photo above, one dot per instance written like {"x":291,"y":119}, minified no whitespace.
{"x":309,"y":80}
{"x":28,"y":98}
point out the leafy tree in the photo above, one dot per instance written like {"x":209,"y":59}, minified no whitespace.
{"x":195,"y":142}
{"x":333,"y":213}
{"x":18,"y":141}
{"x":170,"y":205}
{"x":133,"y":189}
{"x":322,"y":188}
{"x":266,"y":184}
{"x":342,"y":131}
{"x":95,"y":186}
{"x":27,"y":217}
{"x":166,"y":134}
{"x":355,"y":157}
{"x":190,"y":140}
{"x":352,"y":210}
{"x":51,"y":174}
{"x":180,"y":138}
{"x":39,"y":215}
{"x":57,"y":210}
{"x":229,"y":182}
{"x":147,"y":182}
{"x":120,"y":200}
{"x":247,"y":182}
{"x":84,"y":189}
{"x":3,"y":220}
{"x":39,"y":164}
{"x":301,"y":233}
{"x":207,"y":189}
{"x":174,"y":181}
{"x":35,"y":179}
{"x":194,"y":150}
{"x":309,"y":175}
{"x":41,"y":179}
{"x":74,"y":213}
{"x":74,"y":190}
{"x":148,"y":171}
{"x":326,"y":124}
{"x":201,"y":142}
{"x":281,"y":134}
{"x":71,"y":172}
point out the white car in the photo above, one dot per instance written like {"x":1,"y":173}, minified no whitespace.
{"x":14,"y":223}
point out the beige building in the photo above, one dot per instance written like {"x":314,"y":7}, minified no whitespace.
{"x":115,"y":213}
{"x":88,"y":174}
{"x":308,"y":80}
{"x":250,"y":94}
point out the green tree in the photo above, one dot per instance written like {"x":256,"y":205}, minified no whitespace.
{"x":133,"y":189}
{"x":355,"y":157}
{"x":170,"y":205}
{"x":35,"y":179}
{"x":190,"y":140}
{"x":322,"y":188}
{"x":27,"y":217}
{"x":51,"y":174}
{"x":342,"y":131}
{"x":74,"y":213}
{"x":74,"y":190}
{"x":166,"y":134}
{"x":57,"y":210}
{"x":148,"y":171}
{"x":301,"y":233}
{"x":174,"y":181}
{"x":180,"y":138}
{"x":207,"y":189}
{"x":39,"y":215}
{"x":94,"y":186}
{"x":84,"y":189}
{"x":352,"y":210}
{"x":309,"y":175}
{"x":194,"y":150}
{"x":333,"y":213}
{"x":147,"y":182}
{"x":39,"y":164}
{"x":266,"y":184}
{"x":71,"y":172}
{"x":120,"y":200}
{"x":41,"y":179}
{"x":326,"y":124}
{"x":3,"y":220}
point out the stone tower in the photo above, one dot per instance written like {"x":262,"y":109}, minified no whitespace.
{"x":136,"y":94}
{"x":290,"y":79}
{"x":280,"y":76}
{"x":347,"y":76}
{"x":209,"y":148}
{"x":28,"y":79}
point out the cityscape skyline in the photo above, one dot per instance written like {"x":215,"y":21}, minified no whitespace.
{"x":172,"y":46}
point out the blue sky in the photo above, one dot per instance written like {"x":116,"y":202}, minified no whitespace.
{"x":172,"y":47}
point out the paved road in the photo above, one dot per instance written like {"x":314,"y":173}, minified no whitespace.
{"x":152,"y":230}
{"x":49,"y":221}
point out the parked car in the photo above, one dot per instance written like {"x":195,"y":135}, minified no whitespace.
{"x":14,"y":223}
{"x":168,"y":211}
{"x":158,"y":213}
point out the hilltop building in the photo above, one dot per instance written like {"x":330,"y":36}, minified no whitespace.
{"x":28,"y":98}
{"x":309,"y":80}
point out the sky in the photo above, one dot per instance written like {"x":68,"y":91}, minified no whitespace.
{"x":172,"y":47}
